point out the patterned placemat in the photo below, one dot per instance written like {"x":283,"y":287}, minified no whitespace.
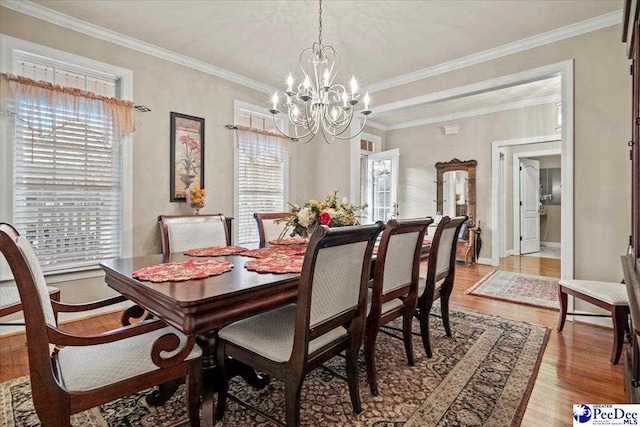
{"x":216,"y":251}
{"x":276,"y":264}
{"x":280,"y":250}
{"x":288,"y":241}
{"x":182,"y":270}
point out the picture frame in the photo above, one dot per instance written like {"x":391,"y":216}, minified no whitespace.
{"x":187,"y":154}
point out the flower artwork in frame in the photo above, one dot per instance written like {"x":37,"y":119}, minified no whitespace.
{"x":187,"y":154}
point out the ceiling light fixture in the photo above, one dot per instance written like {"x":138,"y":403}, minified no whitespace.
{"x":318,"y":105}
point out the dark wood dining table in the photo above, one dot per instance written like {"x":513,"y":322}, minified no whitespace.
{"x":201,"y":307}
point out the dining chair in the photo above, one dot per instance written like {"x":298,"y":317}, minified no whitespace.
{"x":10,"y":301}
{"x":268,"y":227}
{"x":440,"y":277}
{"x":328,"y":318}
{"x":72,"y":373}
{"x":183,"y":232}
{"x":394,"y":292}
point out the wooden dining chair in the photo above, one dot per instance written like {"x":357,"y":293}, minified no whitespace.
{"x":86,"y":371}
{"x":183,"y":232}
{"x":268,"y":227}
{"x":10,"y":301}
{"x":395,"y":287}
{"x":440,"y":277}
{"x":328,"y":318}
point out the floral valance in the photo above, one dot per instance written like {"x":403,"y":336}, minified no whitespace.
{"x":255,"y":143}
{"x":36,"y":102}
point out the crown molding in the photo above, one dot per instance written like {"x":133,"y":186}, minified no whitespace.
{"x":593,"y":24}
{"x":376,"y":125}
{"x":477,"y":112}
{"x":49,"y":15}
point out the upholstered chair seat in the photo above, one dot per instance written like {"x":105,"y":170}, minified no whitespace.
{"x":387,"y":307}
{"x":609,"y":296}
{"x":422,"y":285}
{"x":91,"y":367}
{"x":270,"y":334}
{"x":611,"y":293}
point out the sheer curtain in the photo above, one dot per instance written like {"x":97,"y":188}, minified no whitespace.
{"x":35,"y":102}
{"x":255,"y":143}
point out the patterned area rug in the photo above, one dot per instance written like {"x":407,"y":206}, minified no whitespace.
{"x":483,"y":376}
{"x":525,"y":289}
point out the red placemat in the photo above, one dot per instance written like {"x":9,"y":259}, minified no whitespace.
{"x":216,"y":251}
{"x":183,"y":270}
{"x":426,"y":241}
{"x":276,"y":264}
{"x":289,"y":241}
{"x":281,"y":250}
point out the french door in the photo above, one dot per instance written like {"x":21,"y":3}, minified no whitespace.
{"x":381,"y":185}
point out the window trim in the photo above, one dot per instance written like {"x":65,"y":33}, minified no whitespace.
{"x":238,"y":107}
{"x":13,"y":49}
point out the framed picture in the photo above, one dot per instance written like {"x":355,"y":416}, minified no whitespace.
{"x":187,"y":154}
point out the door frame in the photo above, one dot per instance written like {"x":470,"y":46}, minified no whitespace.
{"x":565,"y":70}
{"x":516,"y":184}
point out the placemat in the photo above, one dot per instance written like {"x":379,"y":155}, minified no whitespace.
{"x":276,"y":264}
{"x":182,"y":270}
{"x":216,"y":251}
{"x":281,"y":250}
{"x":288,"y":241}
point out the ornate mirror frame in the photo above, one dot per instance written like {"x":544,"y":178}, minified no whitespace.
{"x":458,"y":165}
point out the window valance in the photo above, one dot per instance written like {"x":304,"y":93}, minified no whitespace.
{"x":254,"y":143}
{"x":34,"y":103}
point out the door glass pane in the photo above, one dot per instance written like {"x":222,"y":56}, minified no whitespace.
{"x":381,"y":204}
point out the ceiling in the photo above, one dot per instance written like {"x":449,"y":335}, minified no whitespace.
{"x":377,"y":40}
{"x":533,"y":93}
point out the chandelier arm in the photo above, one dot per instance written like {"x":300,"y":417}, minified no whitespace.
{"x":283,"y":132}
{"x":364,"y":123}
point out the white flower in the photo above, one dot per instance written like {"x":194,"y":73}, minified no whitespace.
{"x":304,"y":217}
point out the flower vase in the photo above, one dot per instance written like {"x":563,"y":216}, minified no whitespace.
{"x":187,"y":179}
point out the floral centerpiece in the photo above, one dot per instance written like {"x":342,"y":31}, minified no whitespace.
{"x":196,"y":197}
{"x":304,"y":220}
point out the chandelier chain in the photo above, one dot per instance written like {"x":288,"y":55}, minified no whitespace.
{"x":320,"y":25}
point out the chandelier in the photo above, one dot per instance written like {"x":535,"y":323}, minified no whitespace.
{"x":317,"y":104}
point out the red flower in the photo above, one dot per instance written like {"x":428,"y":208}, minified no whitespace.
{"x":324,"y":218}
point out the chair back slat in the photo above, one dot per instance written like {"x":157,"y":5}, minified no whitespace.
{"x":447,"y":239}
{"x":336,"y":280}
{"x":333,"y":283}
{"x":268,"y":227}
{"x":183,"y":232}
{"x":399,"y":260}
{"x":33,"y":265}
{"x":442,"y":256}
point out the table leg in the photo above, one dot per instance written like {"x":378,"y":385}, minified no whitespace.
{"x":212,"y":376}
{"x":164,"y":392}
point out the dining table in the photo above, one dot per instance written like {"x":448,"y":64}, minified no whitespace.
{"x":201,"y":307}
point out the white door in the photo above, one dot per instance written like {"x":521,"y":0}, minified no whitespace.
{"x":382,"y":185}
{"x":529,"y":201}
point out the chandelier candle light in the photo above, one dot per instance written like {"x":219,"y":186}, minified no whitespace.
{"x":318,"y":105}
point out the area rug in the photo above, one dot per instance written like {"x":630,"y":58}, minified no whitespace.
{"x":483,"y":376}
{"x":524,"y":289}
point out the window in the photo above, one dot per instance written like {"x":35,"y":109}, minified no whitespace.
{"x":68,"y":196}
{"x":261,"y":174}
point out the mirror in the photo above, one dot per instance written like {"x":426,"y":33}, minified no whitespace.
{"x":456,"y":188}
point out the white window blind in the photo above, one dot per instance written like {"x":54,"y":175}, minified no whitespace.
{"x":67,"y":184}
{"x":262,"y":174}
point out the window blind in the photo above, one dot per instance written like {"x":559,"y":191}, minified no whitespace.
{"x":67,"y":185}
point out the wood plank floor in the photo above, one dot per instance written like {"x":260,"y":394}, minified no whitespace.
{"x":575,"y":367}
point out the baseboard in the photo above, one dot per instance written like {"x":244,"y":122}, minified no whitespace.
{"x":551,"y":244}
{"x":484,"y":261}
{"x":508,"y":253}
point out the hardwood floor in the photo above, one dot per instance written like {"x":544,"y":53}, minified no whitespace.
{"x":575,"y":367}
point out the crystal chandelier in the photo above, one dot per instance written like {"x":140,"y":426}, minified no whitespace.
{"x":318,"y":105}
